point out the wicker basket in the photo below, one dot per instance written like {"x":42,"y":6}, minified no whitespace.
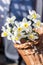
{"x":28,"y":54}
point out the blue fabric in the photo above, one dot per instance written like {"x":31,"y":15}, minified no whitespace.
{"x":20,"y":8}
{"x":4,"y":8}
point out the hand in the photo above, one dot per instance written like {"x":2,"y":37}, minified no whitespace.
{"x":39,"y":30}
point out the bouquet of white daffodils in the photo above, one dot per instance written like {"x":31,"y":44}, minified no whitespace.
{"x":24,"y":29}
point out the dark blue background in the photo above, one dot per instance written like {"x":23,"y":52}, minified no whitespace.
{"x":20,"y":8}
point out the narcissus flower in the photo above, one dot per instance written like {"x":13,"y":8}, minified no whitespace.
{"x":37,"y":24}
{"x":10,"y":20}
{"x":4,"y":34}
{"x":26,"y":25}
{"x":15,"y":39}
{"x":19,"y":29}
{"x":32,"y":36}
{"x":33,"y":15}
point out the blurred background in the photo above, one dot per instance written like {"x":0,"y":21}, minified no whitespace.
{"x":19,"y":8}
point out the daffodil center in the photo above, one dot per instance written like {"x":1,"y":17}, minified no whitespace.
{"x":19,"y":35}
{"x":10,"y":20}
{"x":34,"y":16}
{"x":19,"y":29}
{"x":31,"y":36}
{"x":5,"y":34}
{"x":26,"y":25}
{"x":38,"y":23}
{"x":16,"y":38}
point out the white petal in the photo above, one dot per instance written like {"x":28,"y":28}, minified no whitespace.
{"x":3,"y":28}
{"x":36,"y":37}
{"x":30,"y":29}
{"x":13,"y":18}
{"x":2,"y":34}
{"x":30,"y":12}
{"x":33,"y":12}
{"x":24,"y":20}
{"x":8,"y":37}
{"x":29,"y":22}
{"x":29,"y":17}
{"x":38,"y":16}
{"x":14,"y":28}
{"x":6,"y":24}
{"x":16,"y":23}
{"x":14,"y":41}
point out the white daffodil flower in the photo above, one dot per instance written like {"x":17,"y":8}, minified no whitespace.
{"x":37,"y":24}
{"x":26,"y":25}
{"x":19,"y":29}
{"x":32,"y":36}
{"x":28,"y":30}
{"x":4,"y":34}
{"x":10,"y":20}
{"x":15,"y":39}
{"x":33,"y":15}
{"x":18,"y":34}
{"x":18,"y":26}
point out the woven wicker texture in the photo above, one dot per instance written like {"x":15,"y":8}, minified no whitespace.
{"x":31,"y":56}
